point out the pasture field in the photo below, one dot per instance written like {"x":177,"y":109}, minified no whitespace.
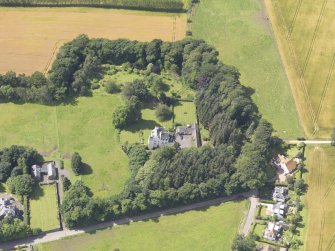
{"x":30,"y":37}
{"x":320,"y":199}
{"x":305,"y":31}
{"x":210,"y":229}
{"x":240,"y":31}
{"x":84,"y":126}
{"x":44,"y":208}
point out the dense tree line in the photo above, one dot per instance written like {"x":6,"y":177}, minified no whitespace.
{"x":156,"y":5}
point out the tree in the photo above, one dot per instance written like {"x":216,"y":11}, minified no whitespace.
{"x":5,"y":170}
{"x":76,"y":163}
{"x":163,"y":113}
{"x":66,"y":183}
{"x":242,"y":243}
{"x":127,"y":114}
{"x":78,"y":206}
{"x":156,"y":84}
{"x":21,"y":184}
{"x":136,"y":88}
{"x":299,"y":186}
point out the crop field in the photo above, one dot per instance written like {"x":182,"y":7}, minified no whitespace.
{"x":210,"y":229}
{"x":30,"y":37}
{"x":44,"y":208}
{"x":305,"y":31}
{"x":320,"y":199}
{"x":84,"y":126}
{"x":241,"y":32}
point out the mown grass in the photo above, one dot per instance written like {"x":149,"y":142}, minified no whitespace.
{"x":241,"y":33}
{"x":44,"y":208}
{"x":185,"y":113}
{"x":210,"y":229}
{"x":320,"y":202}
{"x":305,"y":33}
{"x":85,"y":127}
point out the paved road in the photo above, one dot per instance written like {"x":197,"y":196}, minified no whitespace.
{"x":65,"y":233}
{"x":254,"y":201}
{"x":308,"y":142}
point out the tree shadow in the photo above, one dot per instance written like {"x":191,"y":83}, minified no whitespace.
{"x":142,"y":125}
{"x":86,"y":169}
{"x":37,"y":192}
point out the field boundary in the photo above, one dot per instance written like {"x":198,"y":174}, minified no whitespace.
{"x":104,"y":6}
{"x":302,"y":99}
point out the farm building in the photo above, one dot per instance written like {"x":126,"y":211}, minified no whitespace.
{"x":47,"y":169}
{"x":159,"y":138}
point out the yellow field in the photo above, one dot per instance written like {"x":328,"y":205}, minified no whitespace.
{"x":29,"y":37}
{"x":320,"y":200}
{"x":305,"y":31}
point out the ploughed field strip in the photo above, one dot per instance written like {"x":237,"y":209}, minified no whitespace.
{"x":320,"y":234}
{"x":31,"y":37}
{"x":305,"y":31}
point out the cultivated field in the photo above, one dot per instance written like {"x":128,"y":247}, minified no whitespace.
{"x":320,"y":198}
{"x":211,"y":229}
{"x":239,"y":29}
{"x":305,"y":31}
{"x":85,"y":127}
{"x":44,"y":208}
{"x":29,"y":37}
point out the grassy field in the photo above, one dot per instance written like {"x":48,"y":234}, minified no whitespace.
{"x":211,"y":229}
{"x":43,"y":208}
{"x":85,"y":127}
{"x":305,"y":31}
{"x":320,"y":199}
{"x":239,"y":29}
{"x":30,"y":37}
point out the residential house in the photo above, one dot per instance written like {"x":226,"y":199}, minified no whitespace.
{"x":279,"y":210}
{"x":159,"y":138}
{"x":288,"y":165}
{"x":47,"y":169}
{"x":6,"y":207}
{"x":280,"y":194}
{"x":273,"y":231}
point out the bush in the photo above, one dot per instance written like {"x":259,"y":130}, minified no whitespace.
{"x":163,"y":113}
{"x":112,"y":87}
{"x":95,"y":86}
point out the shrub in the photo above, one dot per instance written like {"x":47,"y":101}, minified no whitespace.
{"x":163,"y":113}
{"x":95,"y":86}
{"x":112,"y":87}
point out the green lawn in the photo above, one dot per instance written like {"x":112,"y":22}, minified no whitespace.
{"x":185,"y":113}
{"x":211,"y":229}
{"x":85,"y":126}
{"x":44,"y":208}
{"x":259,"y":229}
{"x":241,"y":33}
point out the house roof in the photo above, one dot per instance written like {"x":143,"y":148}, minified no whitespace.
{"x":291,"y":165}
